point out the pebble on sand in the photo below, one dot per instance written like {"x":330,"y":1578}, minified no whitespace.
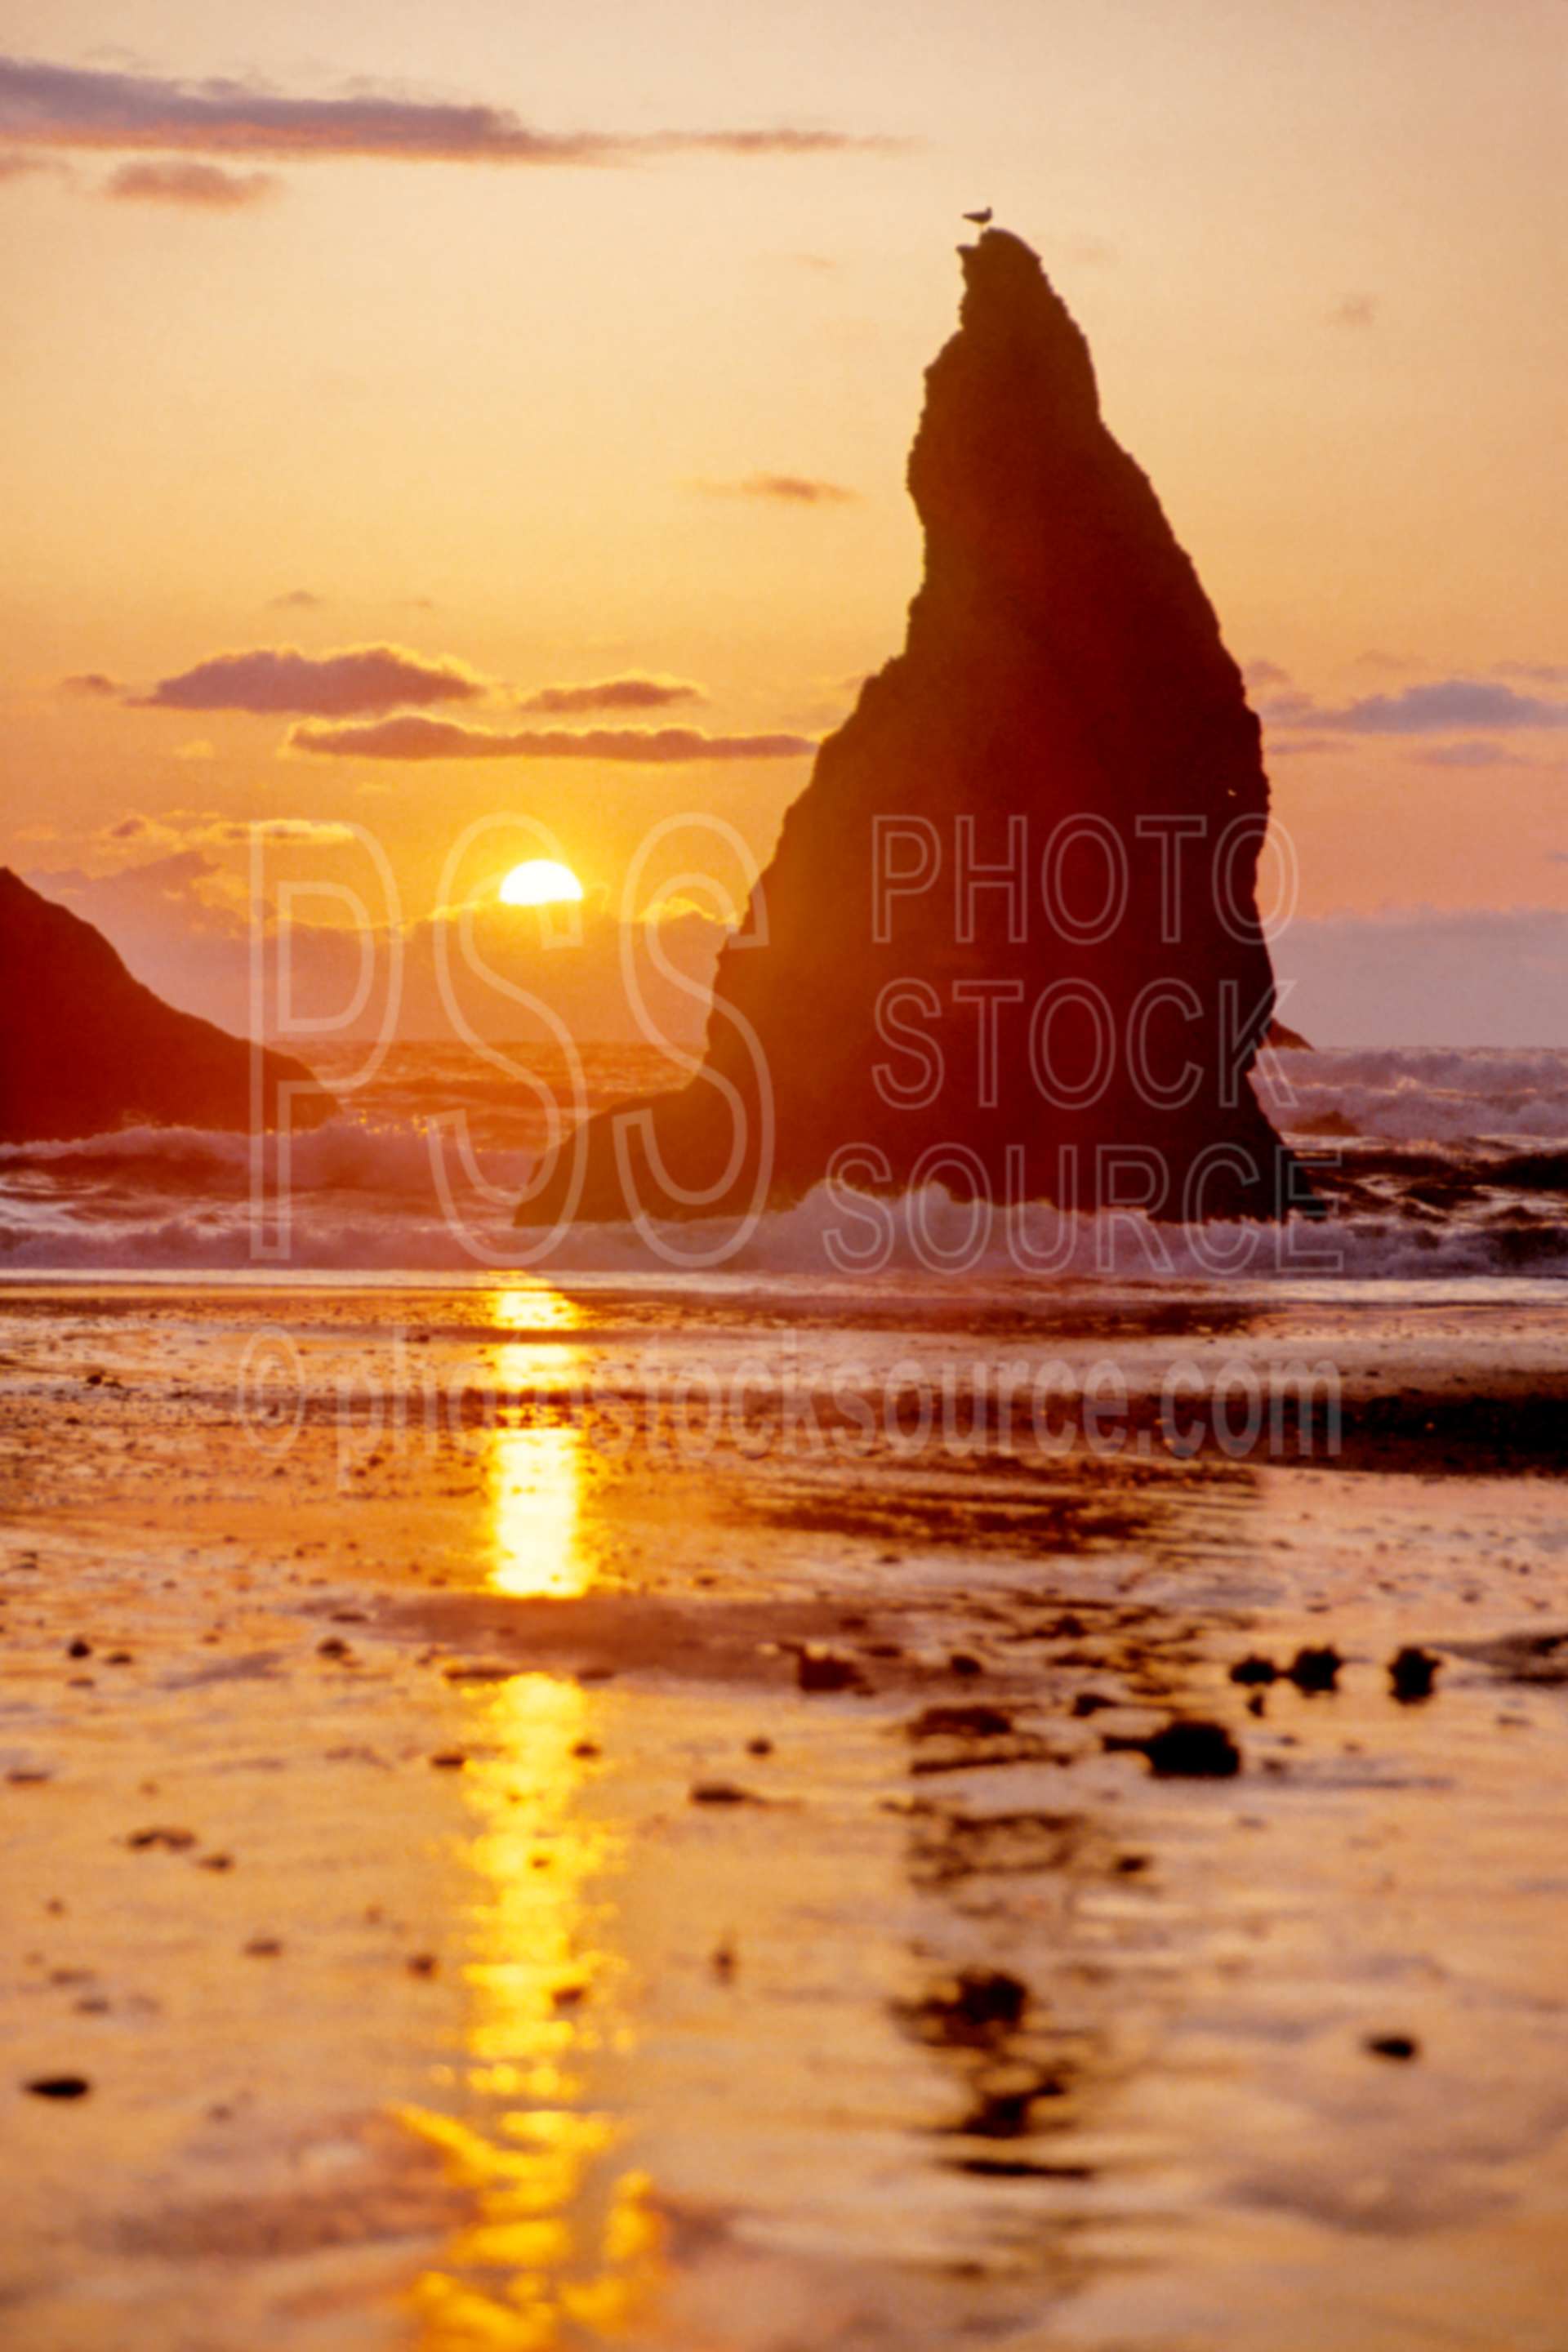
{"x":1392,"y":2045}
{"x":722,"y":1792}
{"x":1412,"y":1673}
{"x":977,"y":1722}
{"x":1186,"y":1749}
{"x":978,"y":2005}
{"x":826,"y":1670}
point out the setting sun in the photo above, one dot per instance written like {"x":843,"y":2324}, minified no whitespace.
{"x":540,"y":882}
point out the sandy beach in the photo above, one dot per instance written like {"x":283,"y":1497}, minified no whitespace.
{"x":493,"y":1861}
{"x":784,"y":1178}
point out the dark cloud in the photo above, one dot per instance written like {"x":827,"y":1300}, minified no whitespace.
{"x":1440,"y":706}
{"x":55,"y":106}
{"x":443,"y":739}
{"x":786,"y":489}
{"x":275,"y":679}
{"x":1376,"y":659}
{"x":93,"y":684}
{"x":1265,"y":673}
{"x":201,"y":187}
{"x":633,"y":692}
{"x":1355,"y":310}
{"x":1534,"y":673}
{"x":296,"y":600}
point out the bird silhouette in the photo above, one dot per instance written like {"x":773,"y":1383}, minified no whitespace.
{"x":980,"y":219}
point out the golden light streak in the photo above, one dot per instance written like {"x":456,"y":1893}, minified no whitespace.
{"x":563,"y":2238}
{"x":535,"y":1473}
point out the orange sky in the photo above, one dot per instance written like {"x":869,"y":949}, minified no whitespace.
{"x":506,"y":411}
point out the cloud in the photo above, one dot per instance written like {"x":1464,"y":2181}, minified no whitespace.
{"x":92,"y":685}
{"x":135,"y":901}
{"x":1355,"y":310}
{"x":74,"y":107}
{"x":200,"y":187}
{"x":25,"y":167}
{"x":1265,"y":673}
{"x":1418,"y":975}
{"x":632,"y":692}
{"x":1376,"y":659}
{"x":1439,"y":707}
{"x":785,"y":489}
{"x":273,"y":679}
{"x":1534,"y":673}
{"x":296,"y":600}
{"x":1475,"y":753}
{"x":317,"y":833}
{"x":184,"y":924}
{"x":186,"y":828}
{"x":413,"y":738}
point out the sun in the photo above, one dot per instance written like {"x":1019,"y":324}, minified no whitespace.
{"x":540,"y":882}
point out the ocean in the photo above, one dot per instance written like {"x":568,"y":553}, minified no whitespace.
{"x":1438,"y":1165}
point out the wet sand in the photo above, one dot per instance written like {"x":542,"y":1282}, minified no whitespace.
{"x":508,"y":1877}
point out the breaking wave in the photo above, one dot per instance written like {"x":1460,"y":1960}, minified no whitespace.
{"x":1436,"y":1166}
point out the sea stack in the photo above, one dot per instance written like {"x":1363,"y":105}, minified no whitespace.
{"x":85,"y":1048}
{"x":1008,"y":942}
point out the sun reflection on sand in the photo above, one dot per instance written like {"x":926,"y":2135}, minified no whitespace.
{"x":562,"y":2243}
{"x":535,"y":1474}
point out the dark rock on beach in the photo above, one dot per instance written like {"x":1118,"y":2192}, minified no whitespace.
{"x":85,"y":1048}
{"x":1081,"y":1027}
